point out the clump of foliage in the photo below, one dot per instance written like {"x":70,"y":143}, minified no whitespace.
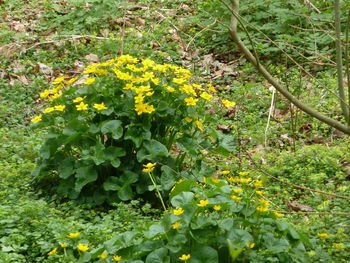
{"x":119,"y":115}
{"x":219,"y":220}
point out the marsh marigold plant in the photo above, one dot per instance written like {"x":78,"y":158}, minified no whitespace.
{"x":114,"y":117}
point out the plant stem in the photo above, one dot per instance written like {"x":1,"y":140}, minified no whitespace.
{"x":159,"y":195}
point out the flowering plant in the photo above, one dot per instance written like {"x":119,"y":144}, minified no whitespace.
{"x":114,"y":118}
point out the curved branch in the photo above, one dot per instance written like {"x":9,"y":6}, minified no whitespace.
{"x":312,"y":112}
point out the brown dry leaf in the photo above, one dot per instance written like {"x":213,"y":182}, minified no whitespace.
{"x":299,"y":207}
{"x":9,"y":50}
{"x":92,"y":58}
{"x":104,"y":32}
{"x":78,"y":66}
{"x":224,"y":128}
{"x":44,"y":69}
{"x":19,"y":27}
{"x":18,"y":67}
{"x":23,"y":79}
{"x":306,"y":127}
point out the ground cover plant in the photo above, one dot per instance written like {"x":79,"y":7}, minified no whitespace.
{"x":234,"y":189}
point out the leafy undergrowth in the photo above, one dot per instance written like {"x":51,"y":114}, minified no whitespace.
{"x":41,"y":43}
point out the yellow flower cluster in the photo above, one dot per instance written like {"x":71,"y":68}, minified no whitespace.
{"x":149,"y":167}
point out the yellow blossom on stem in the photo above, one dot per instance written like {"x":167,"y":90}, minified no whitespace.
{"x":59,"y":80}
{"x":170,"y":89}
{"x":83,"y":247}
{"x":71,"y":81}
{"x":203,"y":203}
{"x":37,"y":119}
{"x":89,"y":81}
{"x":199,"y":125}
{"x":263,"y":201}
{"x":237,"y":190}
{"x":258,"y":184}
{"x":228,"y":104}
{"x":78,"y":99}
{"x":236,"y":198}
{"x":103,"y":256}
{"x":188,"y":119}
{"x":100,"y":106}
{"x":262,"y":209}
{"x":251,"y":245}
{"x":45,"y":94}
{"x":243,"y":173}
{"x":206,"y":96}
{"x":82,"y":106}
{"x":176,"y":225}
{"x":60,"y":107}
{"x":178,"y":211}
{"x":117,"y":258}
{"x":179,"y":81}
{"x":323,"y":235}
{"x":149,"y":167}
{"x":278,"y":214}
{"x":225,"y":172}
{"x":144,"y":108}
{"x":64,"y":245}
{"x":52,"y":252}
{"x":185,"y":257}
{"x":198,"y":87}
{"x":211,"y":88}
{"x":260,"y":192}
{"x":217,"y":207}
{"x":191,"y":101}
{"x":73,"y":235}
{"x":49,"y":109}
{"x":55,"y":96}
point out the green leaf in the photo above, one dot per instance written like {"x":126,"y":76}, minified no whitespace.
{"x":84,"y":176}
{"x":184,"y":186}
{"x":159,"y":255}
{"x":112,"y":153}
{"x":154,"y":230}
{"x":277,"y":245}
{"x":121,"y":184}
{"x":137,"y":134}
{"x":204,"y":254}
{"x":151,"y":150}
{"x":240,"y":238}
{"x":114,"y":127}
{"x":168,"y":177}
{"x":66,"y":168}
{"x":182,"y":199}
{"x":234,"y":252}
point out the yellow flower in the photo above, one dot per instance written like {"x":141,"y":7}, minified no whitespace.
{"x":233,"y":179}
{"x":188,"y":119}
{"x":139,"y":99}
{"x":198,"y":87}
{"x":206,"y":96}
{"x":37,"y":119}
{"x":338,"y":245}
{"x":188,"y":90}
{"x":45,"y":94}
{"x":73,"y":235}
{"x":260,"y":192}
{"x":52,"y":252}
{"x":245,"y":180}
{"x":71,"y":81}
{"x":103,"y":256}
{"x":83,"y":247}
{"x":117,"y":258}
{"x":178,"y":211}
{"x":179,"y":81}
{"x":203,"y":203}
{"x":199,"y":125}
{"x":217,"y":207}
{"x":262,"y":209}
{"x":191,"y":101}
{"x":64,"y":245}
{"x":323,"y":235}
{"x":263,"y":202}
{"x":170,"y":89}
{"x":236,"y":198}
{"x":278,"y":214}
{"x":59,"y":80}
{"x":149,"y":167}
{"x":81,"y":106}
{"x":100,"y":106}
{"x":89,"y":81}
{"x":77,"y":100}
{"x":224,"y":172}
{"x":185,"y":257}
{"x":49,"y":109}
{"x":258,"y":183}
{"x":176,"y":225}
{"x":211,"y":88}
{"x":144,"y":108}
{"x":55,"y":96}
{"x":251,"y":245}
{"x":228,"y":104}
{"x":60,"y":107}
{"x":243,"y":173}
{"x":237,"y":190}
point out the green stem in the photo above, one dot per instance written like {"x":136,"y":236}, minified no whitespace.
{"x":155,"y":186}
